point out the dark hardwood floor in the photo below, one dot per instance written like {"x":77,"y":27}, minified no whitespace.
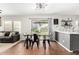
{"x":19,"y":49}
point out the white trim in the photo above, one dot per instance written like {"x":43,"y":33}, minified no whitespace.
{"x":64,"y":47}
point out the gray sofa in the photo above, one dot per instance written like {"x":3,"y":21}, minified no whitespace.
{"x":15,"y":36}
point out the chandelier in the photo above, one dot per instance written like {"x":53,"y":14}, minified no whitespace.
{"x":0,"y":11}
{"x":40,"y":5}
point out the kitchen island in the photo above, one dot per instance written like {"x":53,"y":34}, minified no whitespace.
{"x":68,"y":39}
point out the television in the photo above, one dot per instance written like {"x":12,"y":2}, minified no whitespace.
{"x":55,"y":21}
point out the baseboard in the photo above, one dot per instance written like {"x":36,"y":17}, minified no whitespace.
{"x":15,"y":43}
{"x":52,"y":40}
{"x":64,"y":47}
{"x":22,"y":40}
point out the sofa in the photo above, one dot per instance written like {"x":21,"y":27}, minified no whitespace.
{"x":9,"y":37}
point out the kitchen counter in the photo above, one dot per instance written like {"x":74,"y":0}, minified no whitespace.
{"x":68,"y":39}
{"x":64,"y":30}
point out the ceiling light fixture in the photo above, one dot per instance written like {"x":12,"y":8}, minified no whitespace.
{"x":0,"y":11}
{"x":40,"y":5}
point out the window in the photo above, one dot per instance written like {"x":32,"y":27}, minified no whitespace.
{"x":12,"y":26}
{"x":17,"y":26}
{"x":8,"y":25}
{"x":40,"y":27}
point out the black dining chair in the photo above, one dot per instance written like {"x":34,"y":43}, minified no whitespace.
{"x":35,"y":39}
{"x":48,"y":40}
{"x":27,"y":42}
{"x":44,"y":42}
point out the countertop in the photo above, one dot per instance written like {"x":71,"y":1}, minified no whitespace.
{"x":64,"y":30}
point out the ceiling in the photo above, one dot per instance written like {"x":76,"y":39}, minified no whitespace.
{"x":29,"y":9}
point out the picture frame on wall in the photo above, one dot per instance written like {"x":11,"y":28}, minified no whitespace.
{"x":56,"y":21}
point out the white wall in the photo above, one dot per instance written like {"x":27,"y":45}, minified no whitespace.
{"x":26,"y":22}
{"x":2,"y":25}
{"x":74,"y":18}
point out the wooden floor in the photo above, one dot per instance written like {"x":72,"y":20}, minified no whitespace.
{"x":19,"y":49}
